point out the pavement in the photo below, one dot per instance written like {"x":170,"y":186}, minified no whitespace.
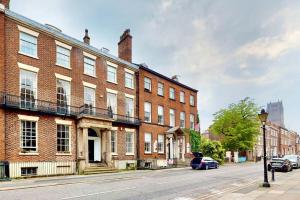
{"x":233,"y":181}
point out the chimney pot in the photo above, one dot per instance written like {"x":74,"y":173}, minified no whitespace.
{"x":5,"y":3}
{"x":125,"y":46}
{"x":86,"y":38}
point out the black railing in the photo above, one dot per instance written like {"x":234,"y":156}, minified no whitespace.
{"x":17,"y":102}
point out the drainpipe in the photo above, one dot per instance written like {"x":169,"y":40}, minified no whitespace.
{"x":138,"y":115}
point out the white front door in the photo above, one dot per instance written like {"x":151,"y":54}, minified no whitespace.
{"x":95,"y":153}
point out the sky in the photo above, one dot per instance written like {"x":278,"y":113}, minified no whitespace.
{"x":228,"y":49}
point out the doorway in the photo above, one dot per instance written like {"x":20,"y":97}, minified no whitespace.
{"x":94,"y":147}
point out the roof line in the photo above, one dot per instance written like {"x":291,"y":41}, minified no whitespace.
{"x":167,"y":78}
{"x":69,"y":39}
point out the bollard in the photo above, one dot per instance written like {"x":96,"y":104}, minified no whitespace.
{"x":273,"y":174}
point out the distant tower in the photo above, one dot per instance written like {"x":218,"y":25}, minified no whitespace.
{"x":276,"y":115}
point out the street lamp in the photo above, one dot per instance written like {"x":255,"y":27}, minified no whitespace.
{"x":263,"y":118}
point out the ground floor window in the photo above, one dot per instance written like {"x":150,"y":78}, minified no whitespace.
{"x":63,"y":138}
{"x":28,"y":171}
{"x":160,"y":143}
{"x":113,"y":141}
{"x":129,"y":142}
{"x":148,"y":138}
{"x":28,"y":136}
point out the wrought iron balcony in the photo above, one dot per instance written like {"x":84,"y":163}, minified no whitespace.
{"x":45,"y":107}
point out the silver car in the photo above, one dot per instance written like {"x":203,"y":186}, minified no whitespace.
{"x":295,"y":160}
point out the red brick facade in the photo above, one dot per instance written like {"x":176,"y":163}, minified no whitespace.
{"x":156,"y":100}
{"x":47,"y":73}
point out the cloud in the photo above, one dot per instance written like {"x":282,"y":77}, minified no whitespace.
{"x":226,"y":50}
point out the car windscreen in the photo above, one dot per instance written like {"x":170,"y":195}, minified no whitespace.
{"x":293,"y":158}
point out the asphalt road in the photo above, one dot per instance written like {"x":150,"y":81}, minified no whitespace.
{"x":179,"y":184}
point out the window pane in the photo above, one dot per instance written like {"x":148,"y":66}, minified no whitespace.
{"x":111,"y":74}
{"x":89,"y":66}
{"x":62,"y":56}
{"x":63,"y":140}
{"x":129,"y":80}
{"x":28,"y":90}
{"x":147,"y":84}
{"x":28,"y":136}
{"x":147,"y":111}
{"x":28,"y":44}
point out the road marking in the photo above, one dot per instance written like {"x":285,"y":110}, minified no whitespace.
{"x":230,"y":189}
{"x":93,"y":194}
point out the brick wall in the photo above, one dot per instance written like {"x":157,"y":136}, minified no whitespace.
{"x":2,"y":85}
{"x":46,"y":89}
{"x":167,"y":103}
{"x":46,"y":142}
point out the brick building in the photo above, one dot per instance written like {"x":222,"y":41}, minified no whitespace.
{"x":166,"y":108}
{"x":67,"y":106}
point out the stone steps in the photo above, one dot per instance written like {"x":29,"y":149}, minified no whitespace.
{"x":99,"y":170}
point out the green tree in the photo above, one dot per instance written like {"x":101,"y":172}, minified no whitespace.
{"x":238,"y":125}
{"x":195,"y":139}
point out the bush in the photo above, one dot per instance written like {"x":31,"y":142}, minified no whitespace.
{"x":213,"y":149}
{"x":195,"y":138}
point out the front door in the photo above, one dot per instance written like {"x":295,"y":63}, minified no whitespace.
{"x":94,"y":147}
{"x":91,"y":150}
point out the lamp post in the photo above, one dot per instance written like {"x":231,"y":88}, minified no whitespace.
{"x":263,"y":115}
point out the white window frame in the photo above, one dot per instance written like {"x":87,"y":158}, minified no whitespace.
{"x":132,"y":143}
{"x":35,"y":89}
{"x":146,"y":140}
{"x":30,"y":119}
{"x":87,"y":63}
{"x":114,"y":107}
{"x":147,"y":83}
{"x":182,"y":97}
{"x":131,"y":98}
{"x":160,"y":90}
{"x":85,"y":89}
{"x":170,"y":113}
{"x":160,"y":111}
{"x":68,"y":93}
{"x":172,"y":93}
{"x":68,"y":49}
{"x":192,"y":100}
{"x":182,"y":118}
{"x":150,"y":111}
{"x":114,"y":69}
{"x":161,"y":139}
{"x":130,"y":77}
{"x":192,"y":116}
{"x":29,"y":33}
{"x":70,"y":140}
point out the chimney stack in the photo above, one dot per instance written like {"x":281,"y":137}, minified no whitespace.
{"x":125,"y":46}
{"x":5,"y":3}
{"x":86,"y":38}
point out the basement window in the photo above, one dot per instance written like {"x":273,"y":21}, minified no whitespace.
{"x":28,"y":171}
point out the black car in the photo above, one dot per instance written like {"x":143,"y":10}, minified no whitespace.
{"x":280,"y":164}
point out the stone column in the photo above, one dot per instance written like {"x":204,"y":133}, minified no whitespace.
{"x":171,"y":149}
{"x":183,"y":148}
{"x":85,"y":144}
{"x":108,"y":147}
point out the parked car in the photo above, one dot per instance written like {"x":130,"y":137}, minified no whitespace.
{"x":280,"y":164}
{"x":295,"y":160}
{"x":200,"y":162}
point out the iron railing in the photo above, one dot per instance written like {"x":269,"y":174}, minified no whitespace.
{"x":46,"y":107}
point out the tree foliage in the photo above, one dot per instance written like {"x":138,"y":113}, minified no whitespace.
{"x":213,"y":149}
{"x":195,"y":138}
{"x":238,"y":125}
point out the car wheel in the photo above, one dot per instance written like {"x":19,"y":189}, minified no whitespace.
{"x":291,"y":168}
{"x":217,"y":166}
{"x":193,"y":167}
{"x":206,"y":167}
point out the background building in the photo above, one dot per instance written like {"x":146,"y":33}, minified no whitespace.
{"x":276,"y":113}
